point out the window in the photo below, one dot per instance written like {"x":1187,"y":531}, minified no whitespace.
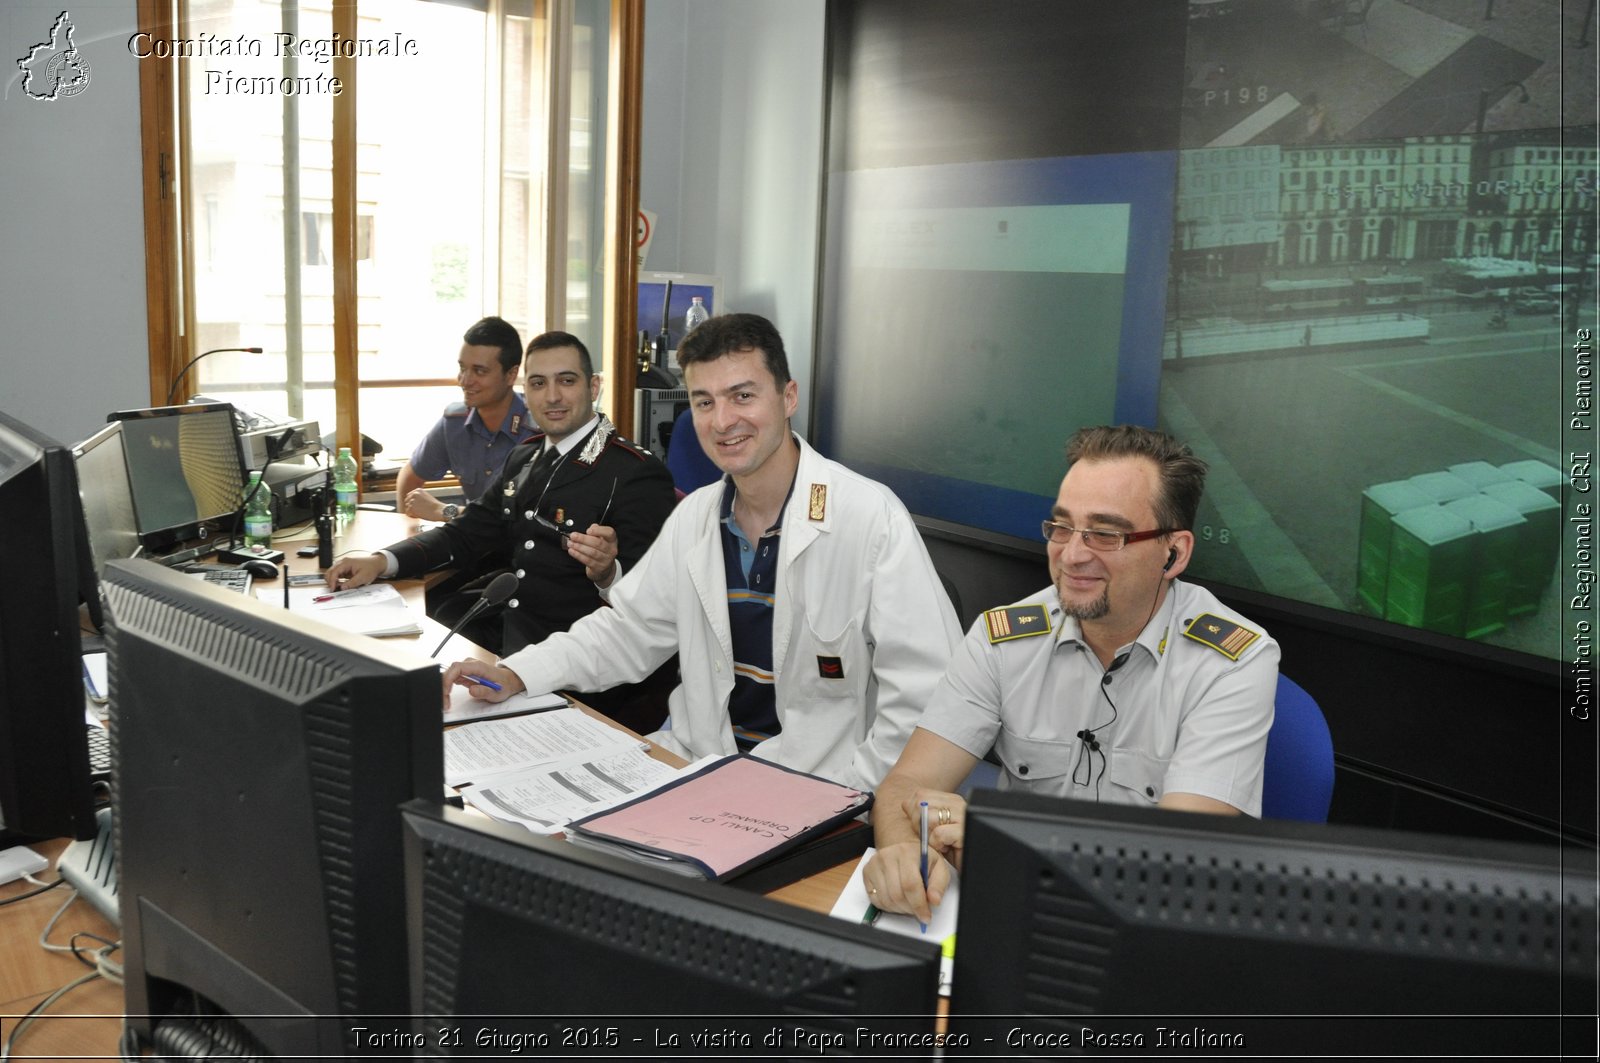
{"x":466,"y":142}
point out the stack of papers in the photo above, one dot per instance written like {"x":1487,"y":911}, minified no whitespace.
{"x":464,"y":708}
{"x":722,"y":819}
{"x":477,"y":752}
{"x":543,"y":771}
{"x":376,"y":609}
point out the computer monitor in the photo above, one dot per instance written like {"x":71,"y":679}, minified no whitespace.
{"x":652,"y":303}
{"x":45,"y":788}
{"x":107,"y":498}
{"x":534,"y":938}
{"x":261,"y":759}
{"x":185,"y":471}
{"x":1179,"y":932}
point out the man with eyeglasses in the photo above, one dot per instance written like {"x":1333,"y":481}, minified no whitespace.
{"x":1118,"y":683}
{"x":573,"y":509}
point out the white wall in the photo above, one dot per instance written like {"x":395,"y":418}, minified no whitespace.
{"x":72,"y":316}
{"x":732,"y":155}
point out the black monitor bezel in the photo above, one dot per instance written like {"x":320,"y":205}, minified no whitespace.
{"x":427,"y":825}
{"x":207,"y":526}
{"x":46,"y":788}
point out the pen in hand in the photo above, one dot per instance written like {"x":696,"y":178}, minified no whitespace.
{"x":924,"y":811}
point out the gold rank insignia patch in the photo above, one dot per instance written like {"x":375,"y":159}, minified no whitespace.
{"x":819,"y":502}
{"x":1224,"y":636}
{"x":1016,"y":622}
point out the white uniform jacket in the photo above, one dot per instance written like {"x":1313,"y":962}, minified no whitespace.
{"x":861,"y":632}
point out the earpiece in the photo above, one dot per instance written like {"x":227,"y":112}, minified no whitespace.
{"x":1172,"y":559}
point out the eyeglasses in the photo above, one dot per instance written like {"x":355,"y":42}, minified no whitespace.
{"x":1103,"y":539}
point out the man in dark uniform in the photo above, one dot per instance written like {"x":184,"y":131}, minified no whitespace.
{"x":572,"y":510}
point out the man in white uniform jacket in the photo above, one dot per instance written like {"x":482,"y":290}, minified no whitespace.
{"x":806,"y":613}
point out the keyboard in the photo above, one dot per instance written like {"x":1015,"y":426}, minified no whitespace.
{"x":231,"y":579}
{"x":99,"y":751}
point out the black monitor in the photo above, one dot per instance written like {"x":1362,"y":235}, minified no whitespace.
{"x":185,"y":470}
{"x":45,"y":789}
{"x":538,"y":940}
{"x":1117,"y":928}
{"x":261,"y":759}
{"x":107,"y":496}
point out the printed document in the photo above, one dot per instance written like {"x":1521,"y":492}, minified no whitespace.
{"x":476,"y":752}
{"x":546,"y":799}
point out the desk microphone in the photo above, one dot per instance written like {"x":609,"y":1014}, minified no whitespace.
{"x":499,"y":589}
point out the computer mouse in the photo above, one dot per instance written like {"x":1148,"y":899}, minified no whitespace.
{"x":260,"y":569}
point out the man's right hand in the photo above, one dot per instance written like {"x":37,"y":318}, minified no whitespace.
{"x":423,"y":506}
{"x":350,"y":572}
{"x":893,"y":879}
{"x":467,"y":673}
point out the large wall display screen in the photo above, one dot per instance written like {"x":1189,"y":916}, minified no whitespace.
{"x":1345,"y":250}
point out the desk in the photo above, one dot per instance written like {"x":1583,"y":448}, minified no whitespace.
{"x":86,"y":1023}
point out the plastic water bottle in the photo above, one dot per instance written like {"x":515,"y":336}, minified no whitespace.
{"x":697,"y":313}
{"x":257,"y":513}
{"x":344,"y":486}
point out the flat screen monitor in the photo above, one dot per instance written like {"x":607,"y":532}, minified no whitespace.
{"x":185,"y":471}
{"x":1125,"y":928}
{"x":536,"y":938}
{"x":653,"y":303}
{"x":261,"y":759}
{"x":107,"y":497}
{"x":45,"y":789}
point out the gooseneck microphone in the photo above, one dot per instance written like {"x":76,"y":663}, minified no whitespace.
{"x":499,"y":589}
{"x":173,"y":390}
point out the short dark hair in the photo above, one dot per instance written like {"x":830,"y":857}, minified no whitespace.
{"x":1183,"y":475}
{"x":545,"y":341}
{"x":496,"y":332}
{"x":731,"y":333}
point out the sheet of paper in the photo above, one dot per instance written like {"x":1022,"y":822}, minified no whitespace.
{"x":464,"y":708}
{"x":476,"y":752}
{"x":376,"y":609}
{"x":546,"y":799}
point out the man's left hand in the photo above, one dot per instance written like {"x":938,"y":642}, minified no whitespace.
{"x":596,"y":550}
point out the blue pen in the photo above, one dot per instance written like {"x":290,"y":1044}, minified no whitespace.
{"x":482,"y":682}
{"x":924,"y":806}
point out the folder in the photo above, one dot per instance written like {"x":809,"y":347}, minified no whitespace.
{"x":723,"y":820}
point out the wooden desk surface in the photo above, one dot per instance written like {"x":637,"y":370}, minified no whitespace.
{"x":86,"y":1023}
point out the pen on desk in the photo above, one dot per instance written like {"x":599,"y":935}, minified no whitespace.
{"x":924,"y":810}
{"x":283,"y":574}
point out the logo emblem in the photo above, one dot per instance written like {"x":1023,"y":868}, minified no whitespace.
{"x":54,"y":69}
{"x":830,"y":667}
{"x":819,"y":502}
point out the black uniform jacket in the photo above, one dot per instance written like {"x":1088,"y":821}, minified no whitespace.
{"x":605,"y":479}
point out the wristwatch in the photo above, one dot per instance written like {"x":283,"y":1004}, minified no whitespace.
{"x":451,"y":511}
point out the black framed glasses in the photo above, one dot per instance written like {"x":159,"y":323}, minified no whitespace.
{"x":1104,"y":540}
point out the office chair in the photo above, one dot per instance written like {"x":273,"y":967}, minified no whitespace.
{"x":1298,"y":778}
{"x":686,"y":461}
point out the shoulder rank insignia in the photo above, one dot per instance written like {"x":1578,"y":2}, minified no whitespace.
{"x":1224,"y":636}
{"x":1016,"y":622}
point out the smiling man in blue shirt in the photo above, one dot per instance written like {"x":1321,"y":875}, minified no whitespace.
{"x":474,"y":436}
